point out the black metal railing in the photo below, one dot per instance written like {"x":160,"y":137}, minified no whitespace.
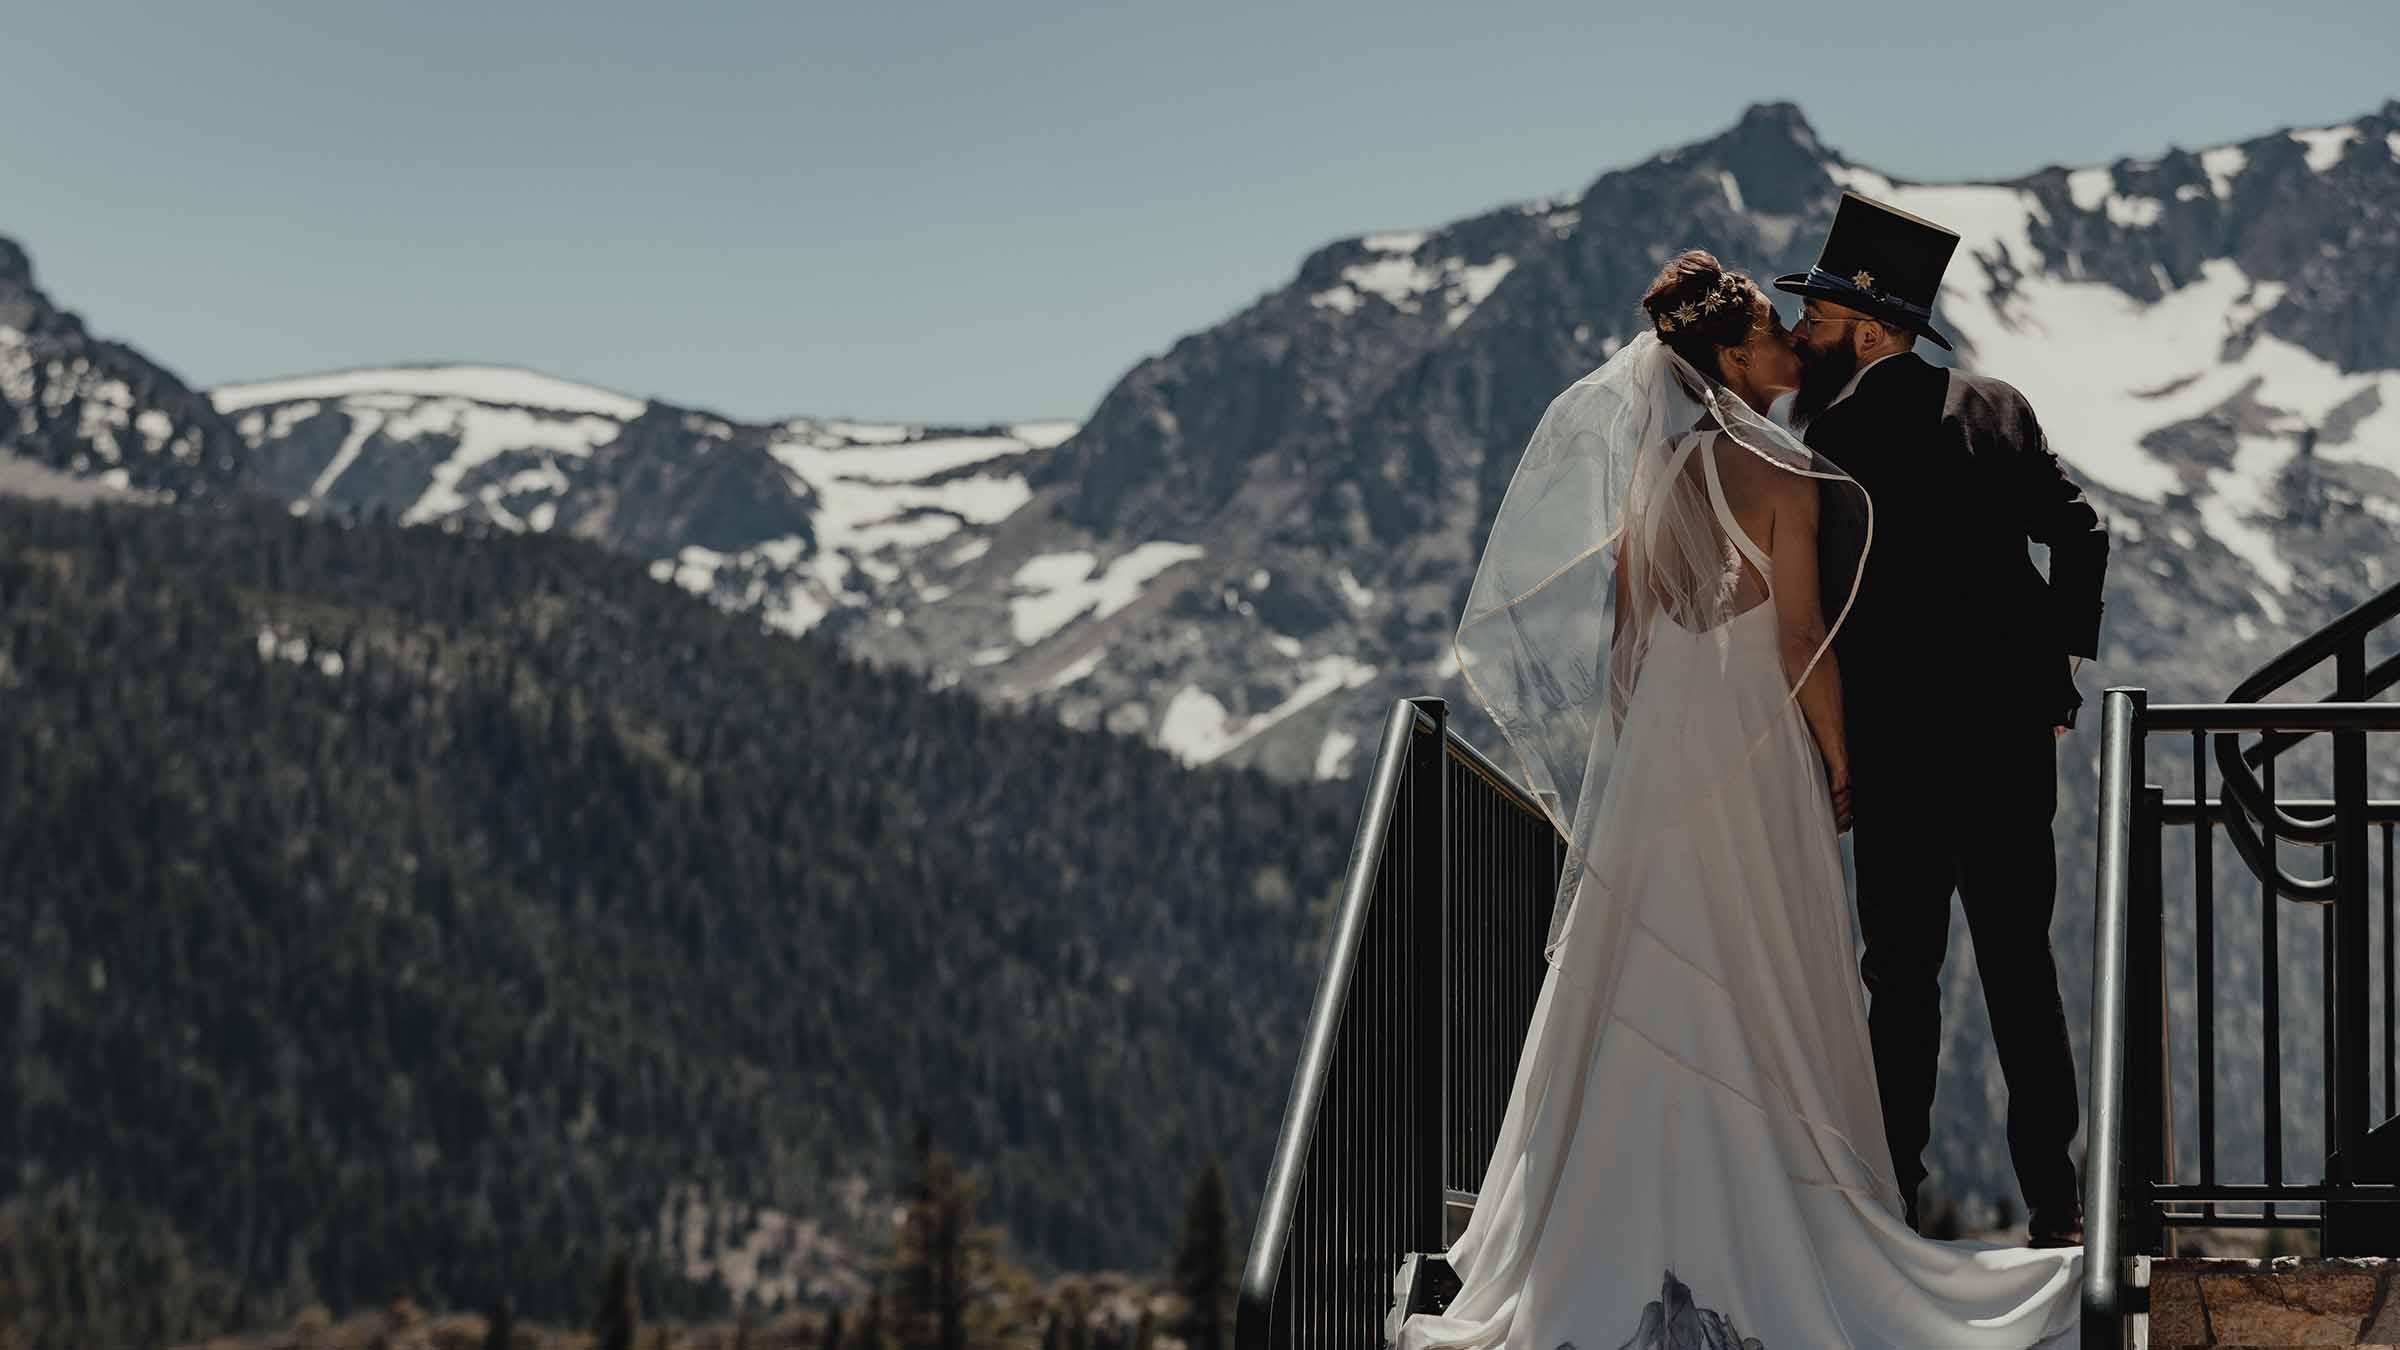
{"x":1428,"y":985}
{"x":2134,"y":1187}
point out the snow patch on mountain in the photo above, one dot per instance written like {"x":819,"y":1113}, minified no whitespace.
{"x":483,"y":434}
{"x":2090,"y":187}
{"x":1339,"y":299}
{"x":2223,"y":164}
{"x":504,"y":385}
{"x":872,"y":500}
{"x":1398,"y":280}
{"x":1334,"y":752}
{"x":1404,"y":282}
{"x":1197,"y":728}
{"x":1474,"y":285}
{"x":815,"y":451}
{"x":1053,"y":590}
{"x":1075,"y":670}
{"x":1043,"y":435}
{"x":1360,"y":598}
{"x":2326,"y":145}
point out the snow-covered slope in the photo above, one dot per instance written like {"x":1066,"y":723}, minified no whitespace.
{"x":793,"y":520}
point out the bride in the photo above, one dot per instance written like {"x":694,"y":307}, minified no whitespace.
{"x":1692,"y":1152}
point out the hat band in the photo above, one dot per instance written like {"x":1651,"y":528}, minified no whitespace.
{"x":1819,"y":277}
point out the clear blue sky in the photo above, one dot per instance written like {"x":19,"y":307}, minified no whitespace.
{"x":970,"y":211}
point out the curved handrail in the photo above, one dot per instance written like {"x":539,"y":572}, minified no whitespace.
{"x":2245,"y":803}
{"x":1255,"y":1303}
{"x":2311,"y":651}
{"x":2384,"y":675}
{"x":2246,"y":800}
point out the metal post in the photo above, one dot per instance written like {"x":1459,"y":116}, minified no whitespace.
{"x":2121,"y":757}
{"x":2350,"y":905}
{"x":2347,"y":972}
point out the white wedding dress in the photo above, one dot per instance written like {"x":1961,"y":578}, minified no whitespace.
{"x":1693,"y":1151}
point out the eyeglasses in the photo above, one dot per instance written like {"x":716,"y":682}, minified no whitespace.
{"x":1806,"y":320}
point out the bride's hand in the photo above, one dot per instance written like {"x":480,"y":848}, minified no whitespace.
{"x":1837,"y":778}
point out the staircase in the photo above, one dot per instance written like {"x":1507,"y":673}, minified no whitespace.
{"x":2144,"y":1197}
{"x":1434,"y":963}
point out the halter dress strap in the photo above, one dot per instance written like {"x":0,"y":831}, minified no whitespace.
{"x":1725,"y":518}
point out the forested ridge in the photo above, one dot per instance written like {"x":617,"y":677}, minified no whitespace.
{"x":417,"y":912}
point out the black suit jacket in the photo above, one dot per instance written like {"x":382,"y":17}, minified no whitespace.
{"x":1951,"y":605}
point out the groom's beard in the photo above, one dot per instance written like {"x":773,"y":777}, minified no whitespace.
{"x":1822,"y":375}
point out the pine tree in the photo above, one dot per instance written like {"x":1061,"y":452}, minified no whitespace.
{"x":943,"y":1262}
{"x":1203,"y":1262}
{"x":502,"y":1332}
{"x":620,"y":1314}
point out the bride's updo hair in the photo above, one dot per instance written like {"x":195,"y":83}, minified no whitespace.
{"x":1698,"y":307}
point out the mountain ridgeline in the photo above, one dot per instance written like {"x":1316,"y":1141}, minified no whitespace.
{"x":423,"y":910}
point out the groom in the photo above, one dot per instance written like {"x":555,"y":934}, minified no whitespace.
{"x":1958,"y":672}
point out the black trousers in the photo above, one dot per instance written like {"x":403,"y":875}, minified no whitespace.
{"x":1974,"y":819}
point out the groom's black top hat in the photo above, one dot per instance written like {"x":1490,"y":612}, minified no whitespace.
{"x":1879,"y":260}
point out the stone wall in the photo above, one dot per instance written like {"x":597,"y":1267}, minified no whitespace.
{"x":2283,"y":1301}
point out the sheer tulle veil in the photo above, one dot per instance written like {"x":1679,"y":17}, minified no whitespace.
{"x":1615,"y":523}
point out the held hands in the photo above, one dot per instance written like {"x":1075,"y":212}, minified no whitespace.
{"x":2074,"y":665}
{"x":1837,"y":779}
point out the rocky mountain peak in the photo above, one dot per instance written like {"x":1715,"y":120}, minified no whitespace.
{"x":15,"y":268}
{"x":1775,"y":158}
{"x":93,"y":409}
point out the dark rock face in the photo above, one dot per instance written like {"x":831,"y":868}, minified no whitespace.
{"x":84,"y":406}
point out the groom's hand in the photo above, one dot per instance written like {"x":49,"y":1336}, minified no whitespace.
{"x":2074,"y":666}
{"x":1838,"y":780}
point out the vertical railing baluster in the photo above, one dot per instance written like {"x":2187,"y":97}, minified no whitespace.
{"x":1425,"y":1182}
{"x":2270,"y":911}
{"x":2329,"y":1014}
{"x":2204,"y":925}
{"x":2391,"y":1079}
{"x":2148,"y":1102}
{"x":1390,"y":1151}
